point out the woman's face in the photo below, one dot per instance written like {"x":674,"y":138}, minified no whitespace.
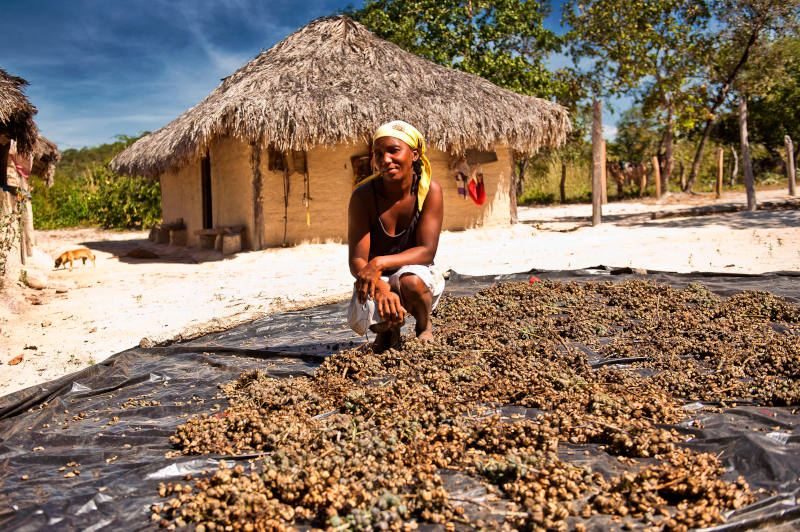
{"x":393,"y":158}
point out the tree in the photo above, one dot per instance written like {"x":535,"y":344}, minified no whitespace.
{"x":745,"y":24}
{"x":503,"y":41}
{"x":768,"y":67}
{"x":775,"y":110}
{"x":636,"y":136}
{"x":645,"y":47}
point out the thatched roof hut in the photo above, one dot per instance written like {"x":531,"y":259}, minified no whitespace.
{"x":333,"y":81}
{"x":16,"y":113}
{"x":45,"y":157}
{"x":309,"y":106}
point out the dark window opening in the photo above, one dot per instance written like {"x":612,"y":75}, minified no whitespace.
{"x":480,"y":157}
{"x":276,"y":161}
{"x":362,"y":167}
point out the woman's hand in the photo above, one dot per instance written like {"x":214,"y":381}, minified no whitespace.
{"x":388,"y":304}
{"x":367,"y":280}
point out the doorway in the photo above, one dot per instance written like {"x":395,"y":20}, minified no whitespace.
{"x":205,"y":185}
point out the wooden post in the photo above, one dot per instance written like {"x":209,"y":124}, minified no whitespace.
{"x":642,"y":180}
{"x":597,"y":161}
{"x":258,"y":196}
{"x":747,"y":162}
{"x":720,"y":169}
{"x":563,"y":183}
{"x":657,"y":176}
{"x":513,"y":189}
{"x":27,"y":227}
{"x":23,"y":243}
{"x":604,"y":176}
{"x":791,"y":171}
{"x":285,"y":198}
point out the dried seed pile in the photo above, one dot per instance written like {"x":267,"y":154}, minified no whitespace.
{"x":368,"y":442}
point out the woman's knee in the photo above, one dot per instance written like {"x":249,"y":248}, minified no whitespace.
{"x":412,"y":288}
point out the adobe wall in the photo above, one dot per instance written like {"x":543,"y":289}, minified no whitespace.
{"x":232,"y":185}
{"x":181,"y":198}
{"x":330,"y":183}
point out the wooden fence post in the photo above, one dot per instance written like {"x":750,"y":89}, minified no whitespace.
{"x":720,"y":169}
{"x":643,"y":180}
{"x":791,"y":171}
{"x":657,"y":175}
{"x":597,"y":161}
{"x":604,"y":176}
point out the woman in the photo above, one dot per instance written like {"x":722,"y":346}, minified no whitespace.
{"x":394,"y":221}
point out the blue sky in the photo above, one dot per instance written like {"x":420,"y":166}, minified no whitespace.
{"x":98,"y":68}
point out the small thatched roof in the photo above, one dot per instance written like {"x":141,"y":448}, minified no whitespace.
{"x":333,"y":81}
{"x":16,"y":113}
{"x":45,"y":157}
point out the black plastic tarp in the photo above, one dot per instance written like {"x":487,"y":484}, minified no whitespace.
{"x":87,"y":451}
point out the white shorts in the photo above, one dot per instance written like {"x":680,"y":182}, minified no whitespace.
{"x":361,"y":315}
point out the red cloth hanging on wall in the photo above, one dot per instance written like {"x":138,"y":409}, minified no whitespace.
{"x":476,"y":189}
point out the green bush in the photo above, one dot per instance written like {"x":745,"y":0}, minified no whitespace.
{"x":125,"y":202}
{"x":99,"y":198}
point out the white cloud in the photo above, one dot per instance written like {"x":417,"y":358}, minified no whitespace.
{"x":609,"y":132}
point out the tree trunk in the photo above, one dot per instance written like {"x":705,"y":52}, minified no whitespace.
{"x":522,"y":169}
{"x":518,"y":170}
{"x":791,"y":170}
{"x":669,"y":151}
{"x":721,"y":95}
{"x":657,"y":176}
{"x":735,"y":171}
{"x":747,"y":163}
{"x":603,"y":175}
{"x":698,"y":155}
{"x":643,"y":181}
{"x":562,"y":185}
{"x":683,"y":175}
{"x":514,"y":190}
{"x":597,"y":161}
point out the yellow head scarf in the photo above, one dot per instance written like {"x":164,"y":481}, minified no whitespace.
{"x":411,"y":136}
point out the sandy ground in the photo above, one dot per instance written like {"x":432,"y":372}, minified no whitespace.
{"x":83,"y":316}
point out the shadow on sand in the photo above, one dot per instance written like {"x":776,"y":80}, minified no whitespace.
{"x":142,"y":250}
{"x":772,"y":215}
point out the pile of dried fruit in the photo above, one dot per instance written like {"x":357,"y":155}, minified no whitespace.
{"x":370,"y":441}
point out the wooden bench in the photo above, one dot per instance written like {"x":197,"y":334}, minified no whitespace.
{"x":226,"y":240}
{"x":173,"y":233}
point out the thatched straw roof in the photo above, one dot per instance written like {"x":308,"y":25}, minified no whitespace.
{"x":45,"y":157}
{"x":16,"y":113}
{"x":333,"y":81}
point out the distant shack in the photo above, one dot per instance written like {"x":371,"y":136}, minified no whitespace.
{"x":277,"y":147}
{"x":22,"y":152}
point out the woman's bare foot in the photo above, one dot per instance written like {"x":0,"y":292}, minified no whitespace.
{"x":426,"y":335}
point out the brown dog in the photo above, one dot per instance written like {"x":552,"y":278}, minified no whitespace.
{"x":74,"y":255}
